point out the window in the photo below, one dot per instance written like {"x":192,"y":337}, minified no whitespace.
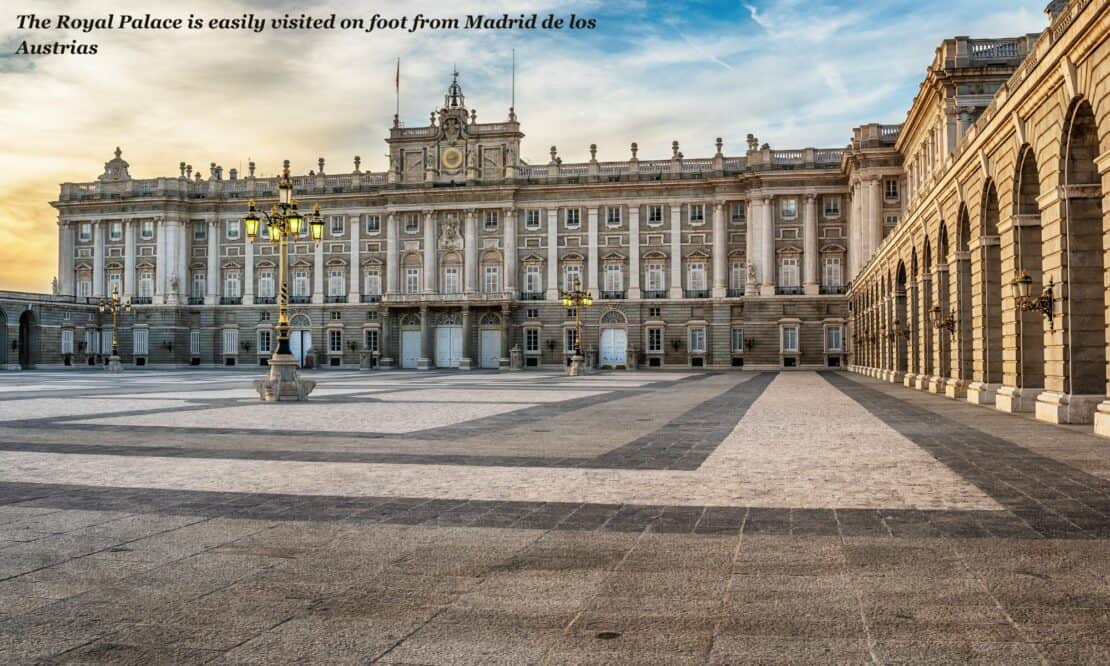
{"x":832,"y":275}
{"x":146,"y":231}
{"x":371,"y":340}
{"x":67,"y":341}
{"x":412,"y":223}
{"x":373,"y":224}
{"x":491,"y":280}
{"x":300,"y":284}
{"x":532,"y":219}
{"x":194,"y":343}
{"x":655,"y":340}
{"x":890,"y":190}
{"x":570,"y":338}
{"x":788,"y":272}
{"x":491,"y":220}
{"x":200,"y":285}
{"x":656,"y":277}
{"x":451,"y":280}
{"x":572,"y":218}
{"x":738,"y":341}
{"x":337,"y":282}
{"x":532,"y":313}
{"x":106,"y":341}
{"x":372,"y":315}
{"x":264,"y":342}
{"x":92,"y":340}
{"x":232,"y":229}
{"x":533,"y":280}
{"x":613,"y":216}
{"x":697,"y":213}
{"x":696,"y":277}
{"x":572,"y":277}
{"x":891,"y":220}
{"x":84,"y":233}
{"x":531,"y":339}
{"x":231,"y":285}
{"x":614,"y":277}
{"x":655,"y":215}
{"x":335,"y":341}
{"x":412,"y":280}
{"x":832,"y":206}
{"x":697,"y":340}
{"x":834,"y":339}
{"x":372,"y":283}
{"x":264,"y":315}
{"x":266,"y":284}
{"x":115,"y":232}
{"x":789,"y":339}
{"x":789,"y":208}
{"x":200,"y":231}
{"x":140,"y":341}
{"x":655,"y":313}
{"x":336,"y":224}
{"x":737,"y":276}
{"x":146,"y":284}
{"x":739,"y":211}
{"x":84,"y":288}
{"x":231,"y":341}
{"x":336,"y":315}
{"x":114,"y":281}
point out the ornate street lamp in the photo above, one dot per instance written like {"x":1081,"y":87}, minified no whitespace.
{"x":1022,"y":286}
{"x":113,"y":305}
{"x":283,"y":221}
{"x":942,"y":321}
{"x":577,"y":299}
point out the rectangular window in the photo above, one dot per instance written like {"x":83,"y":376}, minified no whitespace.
{"x":891,"y":220}
{"x":532,"y":219}
{"x":788,"y":272}
{"x":232,"y":288}
{"x":697,"y":213}
{"x":371,"y":340}
{"x":200,"y":231}
{"x":832,"y":275}
{"x":738,"y":340}
{"x":614,"y":277}
{"x":231,"y":341}
{"x":789,"y":339}
{"x":373,"y":224}
{"x":412,"y":223}
{"x":532,"y":313}
{"x":115,"y":231}
{"x":572,"y":218}
{"x":697,"y":340}
{"x":451,"y":281}
{"x":200,"y":285}
{"x":491,"y":280}
{"x":114,"y":280}
{"x":491,"y":220}
{"x":300,"y":284}
{"x":337,"y":282}
{"x":737,"y":276}
{"x":613,"y":216}
{"x":67,"y":341}
{"x":570,"y":338}
{"x":789,"y":209}
{"x":140,"y":340}
{"x":232,"y":229}
{"x":336,"y":224}
{"x":832,"y":206}
{"x":572,"y":277}
{"x":373,"y":283}
{"x":656,"y":277}
{"x":834,"y":339}
{"x":146,"y":231}
{"x":91,"y":340}
{"x":84,"y":288}
{"x":890,"y":189}
{"x":655,"y":215}
{"x":146,"y":284}
{"x":531,"y":339}
{"x":265,"y":338}
{"x":412,"y":280}
{"x":194,"y":343}
{"x":739,"y":211}
{"x":655,"y":313}
{"x":85,"y":232}
{"x":696,"y":280}
{"x":533,"y":281}
{"x":335,"y":341}
{"x":655,"y":340}
{"x":266,"y":284}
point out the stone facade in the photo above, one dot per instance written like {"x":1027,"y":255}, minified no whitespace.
{"x":1019,"y":190}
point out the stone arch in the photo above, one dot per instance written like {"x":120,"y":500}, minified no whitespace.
{"x":28,"y":339}
{"x":989,"y":339}
{"x":926,"y":297}
{"x":613,"y":318}
{"x":300,"y":321}
{"x":490,"y":320}
{"x":901,"y":317}
{"x":943,"y":301}
{"x":411,"y":320}
{"x":1028,"y":255}
{"x":449,"y":319}
{"x":1083,"y":281}
{"x":963,"y":365}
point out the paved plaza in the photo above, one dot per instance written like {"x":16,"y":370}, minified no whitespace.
{"x":531,"y":518}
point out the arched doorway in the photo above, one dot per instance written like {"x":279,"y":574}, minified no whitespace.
{"x":410,"y":341}
{"x":943,"y":337}
{"x":614,"y":340}
{"x":28,"y":339}
{"x":1030,"y":323}
{"x":927,"y":331}
{"x":988,"y":374}
{"x":490,"y":350}
{"x":900,"y":327}
{"x":300,"y":340}
{"x":963,"y":363}
{"x":449,"y":335}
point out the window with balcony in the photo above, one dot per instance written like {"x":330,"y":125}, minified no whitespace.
{"x":452,"y":284}
{"x":200,"y":286}
{"x":266,"y":284}
{"x":832,"y":273}
{"x":655,"y":279}
{"x":337,"y":283}
{"x":115,"y":281}
{"x":84,"y":288}
{"x":372,"y":283}
{"x":232,"y":288}
{"x":412,"y":280}
{"x":491,"y":280}
{"x":696,"y":279}
{"x":737,"y":278}
{"x":572,"y":277}
{"x":614,"y":280}
{"x":788,"y":273}
{"x":301,"y":287}
{"x":146,"y":284}
{"x":533,"y":279}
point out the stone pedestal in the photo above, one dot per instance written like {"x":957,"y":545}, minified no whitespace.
{"x":921,"y":382}
{"x":1064,"y":408}
{"x":577,"y":366}
{"x":516,"y":359}
{"x":114,"y":365}
{"x":365,"y":360}
{"x":910,"y":380}
{"x":1014,"y":400}
{"x":981,"y":393}
{"x":284,"y":382}
{"x":895,"y":377}
{"x":956,"y":389}
{"x":465,"y":363}
{"x":424,"y":364}
{"x":387,"y":363}
{"x":1102,"y":419}
{"x":936,"y":384}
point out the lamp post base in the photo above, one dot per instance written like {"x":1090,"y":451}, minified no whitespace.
{"x":283,"y":382}
{"x":577,"y":366}
{"x":114,"y":365}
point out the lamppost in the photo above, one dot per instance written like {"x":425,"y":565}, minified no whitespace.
{"x":577,"y":299}
{"x":283,"y":221}
{"x":114,"y":306}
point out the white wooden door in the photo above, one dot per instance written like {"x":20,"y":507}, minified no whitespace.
{"x":300,"y":344}
{"x":614,"y":346}
{"x":448,"y":346}
{"x":410,"y":349}
{"x":491,"y":349}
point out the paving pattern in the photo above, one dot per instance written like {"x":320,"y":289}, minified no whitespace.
{"x":522,"y":518}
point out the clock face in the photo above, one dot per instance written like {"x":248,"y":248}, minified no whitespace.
{"x":452,"y":158}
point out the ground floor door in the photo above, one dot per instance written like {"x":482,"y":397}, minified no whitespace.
{"x":491,"y":349}
{"x":300,"y":344}
{"x":410,"y":349}
{"x":448,"y":346}
{"x":614,"y":347}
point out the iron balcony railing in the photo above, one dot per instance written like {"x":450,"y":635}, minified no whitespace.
{"x":788,"y":291}
{"x":842,"y":289}
{"x":531,"y":296}
{"x":196,"y":300}
{"x":652,"y":293}
{"x":335,"y":299}
{"x":371,"y":298}
{"x":141,"y":300}
{"x":231,"y":300}
{"x":265,"y":300}
{"x":735,"y":293}
{"x":613,"y":295}
{"x":697,"y":293}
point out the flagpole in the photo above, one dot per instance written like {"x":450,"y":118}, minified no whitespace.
{"x":397,"y":87}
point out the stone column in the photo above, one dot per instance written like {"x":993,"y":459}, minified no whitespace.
{"x":213,"y":295}
{"x":98,"y":259}
{"x":318,"y":272}
{"x":812,"y":280}
{"x":393,"y":255}
{"x":130,"y":258}
{"x":925,"y":331}
{"x":768,"y":227}
{"x":504,"y":363}
{"x":66,"y":277}
{"x":161,"y":262}
{"x":592,"y":251}
{"x":425,"y":360}
{"x":634,"y":268}
{"x":466,"y":362}
{"x":510,"y":253}
{"x":959,"y":274}
{"x":248,"y":272}
{"x":552,"y":254}
{"x":354,"y":289}
{"x":720,"y":251}
{"x":752,"y":256}
{"x":430,"y":252}
{"x":182,"y":267}
{"x":169,"y":230}
{"x":676,"y":252}
{"x":384,"y":349}
{"x":876,"y":210}
{"x":470,"y":251}
{"x":854,"y":244}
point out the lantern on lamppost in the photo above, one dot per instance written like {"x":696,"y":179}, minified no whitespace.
{"x":943,"y":321}
{"x":1045,"y":302}
{"x":114,"y":306}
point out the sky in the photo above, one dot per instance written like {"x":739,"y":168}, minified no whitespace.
{"x":796,"y":73}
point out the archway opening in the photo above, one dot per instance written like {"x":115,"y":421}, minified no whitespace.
{"x":901,"y":318}
{"x":990,"y":286}
{"x":963,"y":365}
{"x":28,"y":339}
{"x":1030,"y":324}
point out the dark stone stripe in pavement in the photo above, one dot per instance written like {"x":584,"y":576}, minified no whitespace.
{"x":682,"y":444}
{"x":890,"y":523}
{"x":1051,"y":498}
